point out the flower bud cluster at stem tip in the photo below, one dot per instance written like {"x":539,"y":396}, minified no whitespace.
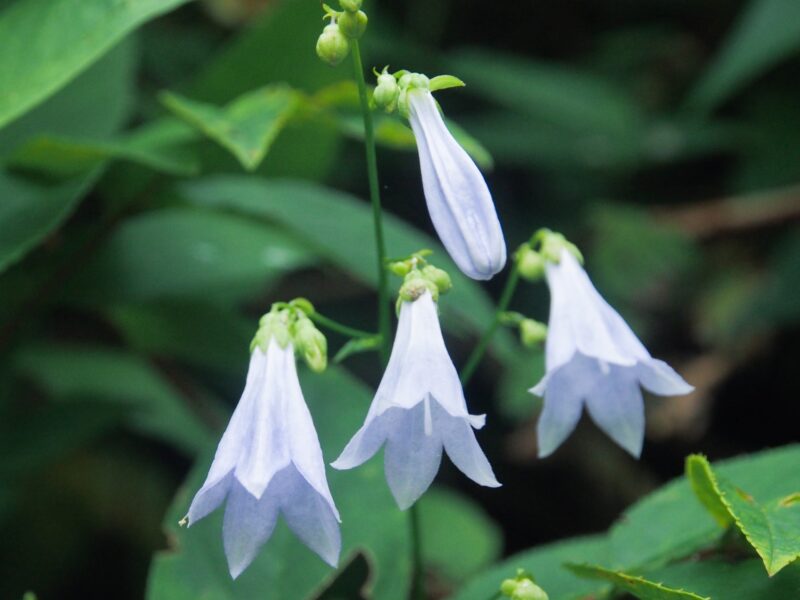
{"x":544,"y":247}
{"x":333,"y":44}
{"x":290,"y":323}
{"x":419,"y":277}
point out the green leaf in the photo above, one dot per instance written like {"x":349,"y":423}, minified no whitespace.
{"x":767,"y":32}
{"x":285,"y":568}
{"x":181,"y":252}
{"x":246,"y":126}
{"x":725,"y":580}
{"x":457,"y":537}
{"x":771,"y":526}
{"x":546,"y":564}
{"x":29,"y":212}
{"x":69,"y":373}
{"x":633,"y":584}
{"x":357,"y":346}
{"x":671,"y":524}
{"x":331,"y":222}
{"x":45,"y":43}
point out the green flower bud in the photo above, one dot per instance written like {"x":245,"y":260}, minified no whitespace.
{"x":532,"y":332}
{"x":332,"y":45}
{"x":272,"y":325}
{"x":438,"y":277}
{"x":522,"y":587}
{"x":350,"y":5}
{"x":304,"y":305}
{"x":530,"y":263}
{"x":386,"y":92}
{"x":311,"y":343}
{"x":552,"y":244}
{"x":353,"y":24}
{"x":414,"y":80}
{"x":401,"y":268}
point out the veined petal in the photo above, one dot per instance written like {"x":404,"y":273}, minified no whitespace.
{"x":458,"y":199}
{"x":412,"y":456}
{"x":616,"y":405}
{"x":657,"y":377}
{"x":247,"y":524}
{"x":462,"y":447}
{"x":564,"y":392}
{"x":309,"y":514}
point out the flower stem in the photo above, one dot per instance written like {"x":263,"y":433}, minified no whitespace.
{"x":375,"y":197}
{"x":340,"y":327}
{"x":417,"y":584}
{"x":480,"y":349}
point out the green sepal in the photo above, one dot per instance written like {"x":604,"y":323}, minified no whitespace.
{"x":444,"y":82}
{"x":357,"y":346}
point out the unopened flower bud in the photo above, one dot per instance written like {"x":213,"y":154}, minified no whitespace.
{"x":350,"y":5}
{"x":530,"y":263}
{"x":332,"y":45}
{"x":353,"y":24}
{"x":439,"y":277}
{"x":304,"y":305}
{"x":386,"y":92}
{"x":532,"y":333}
{"x":311,"y":343}
{"x":522,"y":587}
{"x":401,"y":268}
{"x":272,"y":325}
{"x":552,"y":243}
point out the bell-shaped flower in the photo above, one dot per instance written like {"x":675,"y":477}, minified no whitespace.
{"x":268,"y":463}
{"x":458,"y":199}
{"x":419,"y":409}
{"x":593,"y":357}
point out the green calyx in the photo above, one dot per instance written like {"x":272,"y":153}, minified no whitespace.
{"x":289,"y":322}
{"x":522,"y":587}
{"x":392,"y":90}
{"x":544,"y":247}
{"x":419,"y":277}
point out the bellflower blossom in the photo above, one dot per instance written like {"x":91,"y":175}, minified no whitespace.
{"x":419,"y":409}
{"x":593,"y":357}
{"x":458,"y":199}
{"x":269,"y":462}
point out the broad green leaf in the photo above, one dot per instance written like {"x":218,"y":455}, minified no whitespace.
{"x":29,"y":212}
{"x":769,"y":521}
{"x":246,"y":126}
{"x":285,"y":568}
{"x":767,"y":32}
{"x":65,"y":157}
{"x":71,"y":372}
{"x":458,"y":538}
{"x":671,"y":524}
{"x":639,"y":587}
{"x":46,"y":43}
{"x":181,"y":253}
{"x":94,"y":105}
{"x":338,"y":228}
{"x":560,"y":96}
{"x":731,"y":580}
{"x":546,"y":564}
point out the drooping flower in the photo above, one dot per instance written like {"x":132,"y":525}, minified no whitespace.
{"x":419,"y":409}
{"x":594,"y":358}
{"x":459,"y":202}
{"x":269,"y":462}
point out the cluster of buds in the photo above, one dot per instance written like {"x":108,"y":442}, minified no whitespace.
{"x":543,"y":247}
{"x":289,"y":322}
{"x":522,"y":587}
{"x":419,"y":277}
{"x":348,"y":24}
{"x":392,"y":89}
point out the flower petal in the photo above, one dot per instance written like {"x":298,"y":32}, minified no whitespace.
{"x":657,"y":377}
{"x":563,"y":402}
{"x":366,"y":442}
{"x":208,"y":499}
{"x":309,"y":514}
{"x":616,"y":405}
{"x":247,"y":525}
{"x":412,"y":457}
{"x":462,"y":447}
{"x":458,"y":199}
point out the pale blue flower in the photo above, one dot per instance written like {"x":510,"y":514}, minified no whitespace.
{"x":269,"y":462}
{"x":594,"y":358}
{"x":458,"y":199}
{"x":419,"y":409}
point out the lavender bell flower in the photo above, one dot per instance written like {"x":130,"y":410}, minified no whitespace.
{"x":593,"y":357}
{"x":269,"y":462}
{"x":419,"y":409}
{"x":458,"y":199}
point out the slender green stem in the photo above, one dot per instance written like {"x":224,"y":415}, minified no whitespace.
{"x":480,"y":349}
{"x":417,"y":584}
{"x":375,"y":197}
{"x":340,"y":327}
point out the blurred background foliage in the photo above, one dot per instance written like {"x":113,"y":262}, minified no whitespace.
{"x":170,"y":168}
